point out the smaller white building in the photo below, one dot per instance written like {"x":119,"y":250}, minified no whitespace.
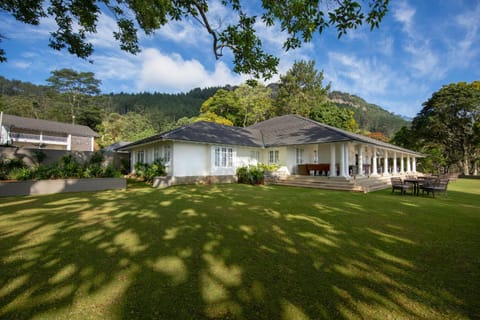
{"x":32,"y":133}
{"x":206,"y":151}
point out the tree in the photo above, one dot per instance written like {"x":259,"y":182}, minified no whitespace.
{"x":299,"y":19}
{"x":243,"y":106}
{"x":75,"y":86}
{"x":329,"y":113}
{"x":224,"y":103}
{"x":129,"y":127}
{"x":301,"y":89}
{"x":450,"y":119}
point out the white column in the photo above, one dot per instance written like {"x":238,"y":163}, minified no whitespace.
{"x":402,"y":164}
{"x":347,"y":159}
{"x":333,"y":168}
{"x":414,"y":164}
{"x":41,"y":140}
{"x":69,"y":142}
{"x":385,"y":163}
{"x":342,"y":161}
{"x":374,"y":160}
{"x":409,"y":168}
{"x":92,"y":144}
{"x":360,"y":160}
{"x":394,"y":163}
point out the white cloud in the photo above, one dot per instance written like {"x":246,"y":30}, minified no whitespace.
{"x":425,"y":62}
{"x":21,"y":64}
{"x":404,"y":13}
{"x":172,"y":73}
{"x":465,"y":50}
{"x":365,"y":76}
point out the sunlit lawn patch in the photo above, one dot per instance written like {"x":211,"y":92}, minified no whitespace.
{"x":239,"y":251}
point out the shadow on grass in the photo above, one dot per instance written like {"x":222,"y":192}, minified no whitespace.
{"x":234,"y":251}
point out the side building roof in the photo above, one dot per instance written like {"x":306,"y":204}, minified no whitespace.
{"x":47,"y":126}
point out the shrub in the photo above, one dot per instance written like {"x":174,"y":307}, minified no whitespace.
{"x":149,"y":171}
{"x":7,"y":165}
{"x":250,"y":175}
{"x":109,"y":172}
{"x":69,"y":167}
{"x":20,"y":173}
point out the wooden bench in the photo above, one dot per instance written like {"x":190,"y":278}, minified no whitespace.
{"x":437,"y":186}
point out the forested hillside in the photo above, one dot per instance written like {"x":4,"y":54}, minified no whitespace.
{"x":126,"y":116}
{"x":369,"y":117}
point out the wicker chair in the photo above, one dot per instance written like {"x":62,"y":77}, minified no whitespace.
{"x":398,"y":184}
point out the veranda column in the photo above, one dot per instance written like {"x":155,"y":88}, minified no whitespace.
{"x":342,"y":160}
{"x":414,"y":164}
{"x":409,"y":168}
{"x":360,"y":160}
{"x":333,"y":169}
{"x":385,"y":163}
{"x":347,"y":159}
{"x":374,"y":162}
{"x":401,"y":164}
{"x":394,"y":170}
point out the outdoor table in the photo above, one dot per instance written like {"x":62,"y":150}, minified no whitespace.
{"x":415,"y":182}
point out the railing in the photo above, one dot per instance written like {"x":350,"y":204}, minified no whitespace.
{"x":37,"y":138}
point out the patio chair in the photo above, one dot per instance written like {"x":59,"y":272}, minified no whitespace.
{"x":398,"y":184}
{"x":438,"y":186}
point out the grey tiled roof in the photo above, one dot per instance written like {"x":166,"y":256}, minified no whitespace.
{"x":279,"y":131}
{"x":295,"y":130}
{"x":47,"y":126}
{"x":207,"y":132}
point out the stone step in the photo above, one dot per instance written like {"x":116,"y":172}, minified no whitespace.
{"x":358,"y":184}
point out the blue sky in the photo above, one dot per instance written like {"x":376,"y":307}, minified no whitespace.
{"x":420,"y":46}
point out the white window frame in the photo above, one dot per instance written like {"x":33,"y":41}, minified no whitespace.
{"x":274,"y":157}
{"x":299,"y":155}
{"x":140,"y":156}
{"x":223,"y":157}
{"x":167,"y":153}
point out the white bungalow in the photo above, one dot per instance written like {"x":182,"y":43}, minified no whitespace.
{"x":210,"y":152}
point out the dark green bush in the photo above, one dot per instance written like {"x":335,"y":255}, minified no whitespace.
{"x":149,"y":171}
{"x":250,"y":175}
{"x":66,"y":167}
{"x":22,"y":173}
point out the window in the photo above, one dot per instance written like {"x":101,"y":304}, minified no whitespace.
{"x":140,"y":156}
{"x":255,"y":155}
{"x":299,"y":157}
{"x":223,"y":157}
{"x":167,"y":153}
{"x":273,"y":156}
{"x":156,"y":153}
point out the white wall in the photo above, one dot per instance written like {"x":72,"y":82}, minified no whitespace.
{"x":191,"y":159}
{"x":324,"y":153}
{"x":244,"y":157}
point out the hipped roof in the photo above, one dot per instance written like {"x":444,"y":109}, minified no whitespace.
{"x":276,"y":132}
{"x":47,"y":126}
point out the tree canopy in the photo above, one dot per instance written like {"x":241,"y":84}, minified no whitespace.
{"x":448,"y":127}
{"x":75,"y":20}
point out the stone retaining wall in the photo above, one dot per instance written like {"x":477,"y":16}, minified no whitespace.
{"x":31,"y":187}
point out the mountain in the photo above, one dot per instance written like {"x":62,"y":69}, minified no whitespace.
{"x":162,"y":109}
{"x":369,"y":116}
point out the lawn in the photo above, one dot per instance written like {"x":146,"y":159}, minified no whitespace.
{"x":241,"y":252}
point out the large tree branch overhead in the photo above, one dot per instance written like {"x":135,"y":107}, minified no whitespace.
{"x":300,"y":19}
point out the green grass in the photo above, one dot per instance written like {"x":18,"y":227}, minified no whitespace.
{"x":241,"y":252}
